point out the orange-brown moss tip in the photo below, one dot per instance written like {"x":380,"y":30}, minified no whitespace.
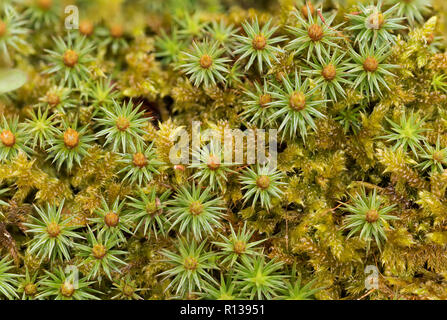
{"x":263,"y":182}
{"x":7,"y":138}
{"x":111,"y":219}
{"x":53,"y":99}
{"x":3,"y":28}
{"x":190,"y":263}
{"x":213,"y":162}
{"x":53,"y":229}
{"x":259,"y":42}
{"x":239,"y":247}
{"x":376,"y":20}
{"x":315,"y":32}
{"x":122,"y":123}
{"x":67,"y":289}
{"x":44,"y":4}
{"x":264,"y":100}
{"x":329,"y":72}
{"x":206,"y":61}
{"x":70,"y":58}
{"x":71,"y":138}
{"x":139,"y":160}
{"x":372,"y":216}
{"x":306,"y":8}
{"x":86,"y":28}
{"x":297,"y":101}
{"x":370,"y":64}
{"x":116,"y":31}
{"x":196,"y":208}
{"x":30,"y":289}
{"x":99,"y":251}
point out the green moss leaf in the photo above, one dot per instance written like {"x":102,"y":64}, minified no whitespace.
{"x":11,"y":79}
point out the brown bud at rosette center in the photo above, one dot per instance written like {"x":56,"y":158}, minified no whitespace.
{"x":297,"y":101}
{"x":86,"y":28}
{"x":71,"y":138}
{"x":70,"y":58}
{"x":139,"y":160}
{"x":259,"y":42}
{"x":2,"y":28}
{"x":370,"y":64}
{"x":315,"y":32}
{"x":8,"y":138}
{"x":206,"y":61}
{"x":265,"y":99}
{"x":53,"y":229}
{"x":122,"y":123}
{"x":111,"y":219}
{"x":190,"y":263}
{"x":196,"y":208}
{"x":44,"y":4}
{"x":213,"y":162}
{"x":329,"y":72}
{"x":372,"y":215}
{"x":67,"y":289}
{"x":99,"y":251}
{"x":239,"y":247}
{"x":263,"y":182}
{"x":306,"y":8}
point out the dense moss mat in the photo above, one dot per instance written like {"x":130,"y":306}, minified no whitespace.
{"x":92,"y":205}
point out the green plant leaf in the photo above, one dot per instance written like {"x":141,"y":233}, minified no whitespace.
{"x":11,"y":79}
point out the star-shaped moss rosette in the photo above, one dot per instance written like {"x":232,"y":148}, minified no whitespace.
{"x":126,"y":289}
{"x":8,"y":280}
{"x":169,"y":47}
{"x":191,"y":267}
{"x":43,"y":13}
{"x":191,"y":26}
{"x":210,"y":167}
{"x":296,"y":290}
{"x":122,"y":126}
{"x":204,"y":63}
{"x":372,"y":26}
{"x":194,"y":210}
{"x":13,"y":139}
{"x":259,"y":279}
{"x":226,"y":290}
{"x":330,"y":74}
{"x":368,"y":218}
{"x":237,"y":245}
{"x":113,"y":220}
{"x":69,"y":61}
{"x":224,"y":34}
{"x":52,"y":234}
{"x":257,"y":104}
{"x":434,"y":158}
{"x":370,"y":70}
{"x":58,"y":99}
{"x":296,"y":106}
{"x":313,"y":35}
{"x":99,"y":255}
{"x":60,"y":285}
{"x":140,"y":166}
{"x":413,"y":10}
{"x":12,"y":30}
{"x":258,"y":43}
{"x":101,"y":94}
{"x":149,"y":212}
{"x":29,"y":286}
{"x":261,"y":183}
{"x":407,"y":133}
{"x":113,"y":36}
{"x":69,"y":145}
{"x":41,"y":127}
